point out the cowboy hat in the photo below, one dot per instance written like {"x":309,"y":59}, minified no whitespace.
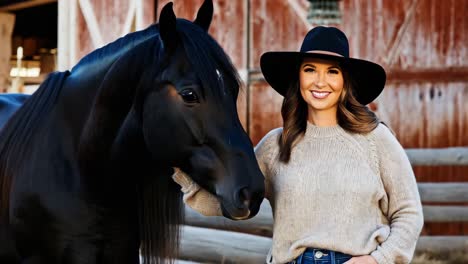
{"x":330,"y":43}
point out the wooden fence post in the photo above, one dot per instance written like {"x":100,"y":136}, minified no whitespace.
{"x":7,"y":22}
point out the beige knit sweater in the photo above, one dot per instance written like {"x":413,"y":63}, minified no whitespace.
{"x":346,"y":192}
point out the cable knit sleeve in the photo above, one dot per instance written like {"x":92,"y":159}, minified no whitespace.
{"x":403,"y":205}
{"x":265,"y":152}
{"x":196,"y":197}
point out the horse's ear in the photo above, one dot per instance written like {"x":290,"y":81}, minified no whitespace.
{"x":167,"y":27}
{"x":205,"y":15}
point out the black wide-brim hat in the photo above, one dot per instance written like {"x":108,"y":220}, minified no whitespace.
{"x":282,"y":67}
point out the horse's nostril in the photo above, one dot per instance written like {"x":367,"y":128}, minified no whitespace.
{"x":244,"y":197}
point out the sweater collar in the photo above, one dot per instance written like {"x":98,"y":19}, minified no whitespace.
{"x":319,"y":131}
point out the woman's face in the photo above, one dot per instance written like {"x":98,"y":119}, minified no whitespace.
{"x":321,"y":82}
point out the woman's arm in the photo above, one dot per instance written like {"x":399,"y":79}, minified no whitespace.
{"x":403,"y":206}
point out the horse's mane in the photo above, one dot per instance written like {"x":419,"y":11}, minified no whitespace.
{"x":18,"y":132}
{"x":207,"y":56}
{"x":115,"y":49}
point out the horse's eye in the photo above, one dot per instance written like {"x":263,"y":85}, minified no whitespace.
{"x":189,"y":96}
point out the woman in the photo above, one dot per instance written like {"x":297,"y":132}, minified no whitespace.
{"x":339,"y":183}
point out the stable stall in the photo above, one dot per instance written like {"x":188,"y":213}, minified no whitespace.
{"x":30,"y":41}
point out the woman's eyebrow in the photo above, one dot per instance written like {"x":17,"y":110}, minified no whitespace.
{"x":311,"y":65}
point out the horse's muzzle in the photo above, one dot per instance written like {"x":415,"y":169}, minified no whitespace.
{"x":244,"y":205}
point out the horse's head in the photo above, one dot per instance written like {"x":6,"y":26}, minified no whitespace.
{"x":192,"y":101}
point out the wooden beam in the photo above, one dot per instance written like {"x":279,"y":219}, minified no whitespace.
{"x":87,"y":10}
{"x":67,"y":34}
{"x":442,"y":244}
{"x":446,"y":74}
{"x":129,"y":18}
{"x":438,"y":156}
{"x":26,"y":4}
{"x":217,"y":246}
{"x":301,"y":14}
{"x":444,"y":192}
{"x":395,"y":42}
{"x":437,"y":213}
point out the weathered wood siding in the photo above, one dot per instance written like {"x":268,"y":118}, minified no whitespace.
{"x":85,"y":25}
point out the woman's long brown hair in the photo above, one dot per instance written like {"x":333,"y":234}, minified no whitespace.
{"x":352,"y":116}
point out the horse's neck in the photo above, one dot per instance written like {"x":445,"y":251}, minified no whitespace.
{"x":112,"y":105}
{"x":127,"y":159}
{"x":129,"y":146}
{"x":87,"y":76}
{"x":92,"y":65}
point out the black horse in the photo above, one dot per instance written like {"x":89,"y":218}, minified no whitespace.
{"x":86,"y":162}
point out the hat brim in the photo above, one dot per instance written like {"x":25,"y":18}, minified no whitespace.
{"x":280,"y":68}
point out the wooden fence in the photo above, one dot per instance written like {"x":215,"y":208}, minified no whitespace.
{"x":219,"y":240}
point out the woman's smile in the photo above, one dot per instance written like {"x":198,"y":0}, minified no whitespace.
{"x":320,"y":94}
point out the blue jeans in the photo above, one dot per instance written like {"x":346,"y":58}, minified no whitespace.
{"x":321,"y":256}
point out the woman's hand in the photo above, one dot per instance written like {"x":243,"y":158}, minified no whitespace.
{"x":367,"y":259}
{"x":184,"y":180}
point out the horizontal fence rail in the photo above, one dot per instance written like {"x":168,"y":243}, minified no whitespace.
{"x":433,"y":213}
{"x":453,"y":192}
{"x":218,"y":246}
{"x":438,"y":156}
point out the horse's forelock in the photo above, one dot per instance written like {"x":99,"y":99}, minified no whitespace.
{"x":209,"y":60}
